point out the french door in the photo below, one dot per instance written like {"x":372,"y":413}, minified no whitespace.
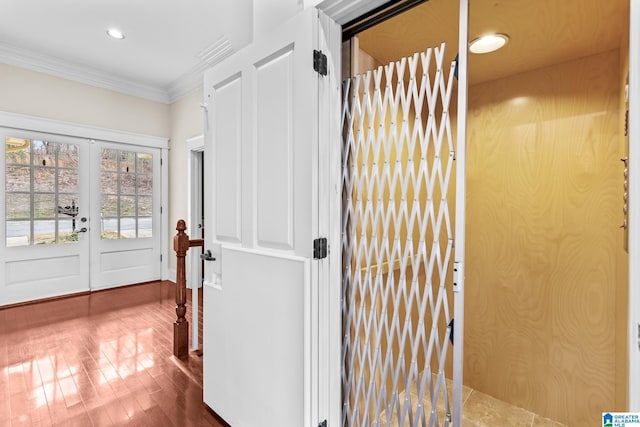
{"x":78,"y":215}
{"x":125,"y":205}
{"x":45,"y":245}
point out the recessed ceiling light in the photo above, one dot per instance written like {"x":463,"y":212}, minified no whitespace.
{"x":115,"y":34}
{"x":488,"y":43}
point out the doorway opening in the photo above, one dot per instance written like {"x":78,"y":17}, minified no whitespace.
{"x":195,"y":203}
{"x":399,"y":292}
{"x":546,"y":262}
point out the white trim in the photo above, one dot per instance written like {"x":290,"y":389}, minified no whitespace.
{"x":57,"y":127}
{"x":196,"y":143}
{"x":211,"y":55}
{"x":165,"y":237}
{"x":186,"y":84}
{"x":330,"y":222}
{"x":53,"y":66}
{"x":634,"y":206}
{"x":460,"y":215}
{"x":65,"y":69}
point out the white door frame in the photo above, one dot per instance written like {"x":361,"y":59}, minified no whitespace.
{"x":460,"y":213}
{"x":634,"y":206}
{"x":195,"y":208}
{"x":330,"y":223}
{"x":343,"y":11}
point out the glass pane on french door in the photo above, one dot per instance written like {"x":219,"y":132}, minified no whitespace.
{"x":41,"y":192}
{"x":398,"y":157}
{"x":126,"y":194}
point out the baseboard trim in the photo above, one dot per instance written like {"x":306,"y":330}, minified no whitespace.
{"x":172,"y":275}
{"x":75,"y":294}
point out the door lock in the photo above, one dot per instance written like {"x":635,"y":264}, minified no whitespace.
{"x":207,"y":256}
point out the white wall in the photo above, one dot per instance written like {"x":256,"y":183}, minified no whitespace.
{"x":37,"y":94}
{"x":40,"y":95}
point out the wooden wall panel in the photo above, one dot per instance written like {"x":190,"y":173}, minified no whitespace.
{"x":622,"y":287}
{"x":543,"y":243}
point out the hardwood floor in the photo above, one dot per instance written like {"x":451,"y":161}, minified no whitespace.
{"x":103,"y":359}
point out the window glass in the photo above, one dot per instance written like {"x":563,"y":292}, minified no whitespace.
{"x":44,"y":206}
{"x":18,"y":205}
{"x":66,"y":234}
{"x":127,"y":206}
{"x":18,"y":178}
{"x":67,"y":180}
{"x":126,"y":190}
{"x":41,"y":192}
{"x":45,"y":179}
{"x":127,"y":161}
{"x":145,"y":184}
{"x":127,"y":228}
{"x":17,"y":151}
{"x":128,"y":183}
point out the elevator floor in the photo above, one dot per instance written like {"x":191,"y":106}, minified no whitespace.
{"x":482,"y":410}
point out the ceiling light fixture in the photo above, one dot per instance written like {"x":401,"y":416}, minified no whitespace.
{"x":488,"y":43}
{"x":115,"y":34}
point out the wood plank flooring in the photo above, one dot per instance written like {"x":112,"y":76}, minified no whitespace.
{"x":103,"y":359}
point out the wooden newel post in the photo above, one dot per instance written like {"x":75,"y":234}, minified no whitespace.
{"x":181,"y":326}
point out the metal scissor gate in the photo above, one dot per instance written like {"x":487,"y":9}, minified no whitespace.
{"x":397,"y":242}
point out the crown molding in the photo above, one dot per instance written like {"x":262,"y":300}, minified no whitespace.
{"x":209,"y":56}
{"x":50,"y":65}
{"x":183,"y":85}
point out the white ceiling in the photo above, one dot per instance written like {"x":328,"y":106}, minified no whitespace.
{"x":170,"y":42}
{"x":167,"y":42}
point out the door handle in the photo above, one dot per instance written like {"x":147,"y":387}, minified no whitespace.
{"x":207,"y":256}
{"x":83,"y":230}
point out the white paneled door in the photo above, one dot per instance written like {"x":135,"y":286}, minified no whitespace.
{"x":78,"y":215}
{"x":125,"y":209}
{"x":263,"y":293}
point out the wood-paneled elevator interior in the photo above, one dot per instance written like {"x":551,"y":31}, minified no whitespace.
{"x":546,"y":266}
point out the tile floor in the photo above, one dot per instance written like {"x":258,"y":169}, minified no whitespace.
{"x":105,"y":359}
{"x":480,"y":410}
